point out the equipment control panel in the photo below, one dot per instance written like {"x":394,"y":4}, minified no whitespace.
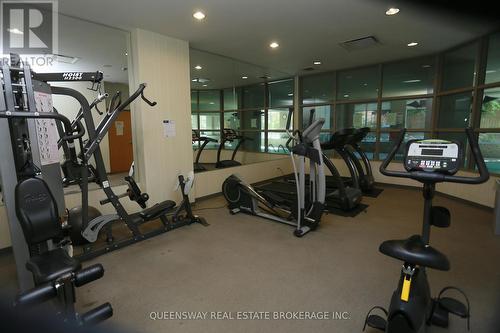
{"x":433,"y":156}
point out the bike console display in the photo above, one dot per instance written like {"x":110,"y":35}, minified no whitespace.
{"x":440,"y":156}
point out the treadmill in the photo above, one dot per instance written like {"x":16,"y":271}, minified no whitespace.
{"x":229,"y":135}
{"x":341,"y":193}
{"x":364,"y":169}
{"x":338,"y":142}
{"x":196,"y":137}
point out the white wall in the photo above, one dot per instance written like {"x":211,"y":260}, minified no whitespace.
{"x":163,"y":63}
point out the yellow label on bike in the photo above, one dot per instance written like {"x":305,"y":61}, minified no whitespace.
{"x":405,"y":291}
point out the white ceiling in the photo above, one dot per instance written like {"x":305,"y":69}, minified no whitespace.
{"x":306,"y":30}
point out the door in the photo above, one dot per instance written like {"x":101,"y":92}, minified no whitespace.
{"x":120,"y":143}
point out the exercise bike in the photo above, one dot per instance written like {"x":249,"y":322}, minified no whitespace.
{"x":412,"y":308}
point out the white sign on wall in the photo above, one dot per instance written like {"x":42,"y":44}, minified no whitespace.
{"x":169,"y":128}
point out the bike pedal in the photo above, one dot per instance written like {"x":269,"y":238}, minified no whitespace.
{"x":454,"y":306}
{"x":377,"y":322}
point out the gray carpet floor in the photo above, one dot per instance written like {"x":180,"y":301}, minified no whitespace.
{"x":243,"y":263}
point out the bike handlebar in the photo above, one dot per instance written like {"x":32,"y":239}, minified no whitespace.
{"x":435,"y":177}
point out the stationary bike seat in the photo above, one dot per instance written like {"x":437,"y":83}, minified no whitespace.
{"x":414,"y":251}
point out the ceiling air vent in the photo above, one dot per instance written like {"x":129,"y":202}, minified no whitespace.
{"x":360,"y":43}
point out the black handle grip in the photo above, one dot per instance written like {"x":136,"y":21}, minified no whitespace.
{"x":88,"y":274}
{"x":289,"y":118}
{"x":147,"y":100}
{"x":311,"y":116}
{"x":96,"y":315}
{"x":36,"y":295}
{"x":390,"y":157}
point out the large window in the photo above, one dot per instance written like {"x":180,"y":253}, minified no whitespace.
{"x":209,"y":120}
{"x":493,"y":64}
{"x":320,"y":111}
{"x":406,"y":113}
{"x":455,"y":111}
{"x":459,"y":67}
{"x":231,"y":98}
{"x":253,"y":96}
{"x":356,"y":115}
{"x":360,"y":83}
{"x":259,"y":118}
{"x":490,"y":110}
{"x":490,"y":147}
{"x":432,"y":97}
{"x":209,"y":100}
{"x":429,"y":100}
{"x":317,"y":89}
{"x":409,"y":78}
{"x":281,"y":93}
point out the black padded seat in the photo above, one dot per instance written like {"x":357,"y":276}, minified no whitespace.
{"x":414,"y":251}
{"x":154,"y":212}
{"x":51,"y":265}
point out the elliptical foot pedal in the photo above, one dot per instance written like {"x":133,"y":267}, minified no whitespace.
{"x":454,"y":306}
{"x":376,"y":321}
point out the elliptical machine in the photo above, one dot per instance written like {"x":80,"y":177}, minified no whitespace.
{"x":412,"y":308}
{"x":244,"y":198}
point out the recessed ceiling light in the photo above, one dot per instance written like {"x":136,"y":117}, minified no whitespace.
{"x":199,"y":15}
{"x":392,"y":11}
{"x":412,"y":81}
{"x":490,"y":71}
{"x":198,"y":67}
{"x":244,"y":77}
{"x":412,"y":44}
{"x":426,"y":66}
{"x":316,"y":62}
{"x":126,"y":53}
{"x":274,"y":45}
{"x":211,"y":103}
{"x":290,"y":94}
{"x":205,"y":85}
{"x":346,"y":96}
{"x":194,"y":80}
